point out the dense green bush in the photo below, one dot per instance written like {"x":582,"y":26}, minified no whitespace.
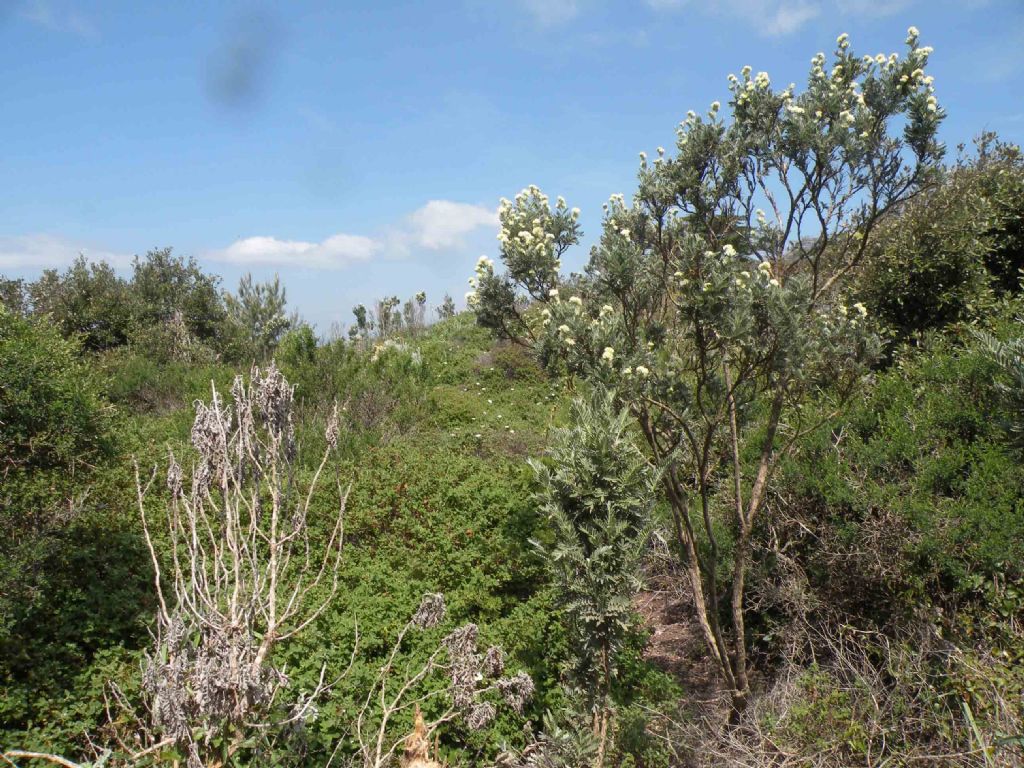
{"x":925,"y":454}
{"x":89,"y":301}
{"x":952,"y":249}
{"x":73,"y":577}
{"x":165,"y":286}
{"x":51,"y":412}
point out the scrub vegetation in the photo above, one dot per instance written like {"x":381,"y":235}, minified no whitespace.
{"x":747,"y":491}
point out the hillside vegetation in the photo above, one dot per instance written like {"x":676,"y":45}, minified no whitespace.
{"x":749,"y":491}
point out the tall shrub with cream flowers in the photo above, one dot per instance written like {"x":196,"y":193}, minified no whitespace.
{"x":533,"y":236}
{"x":715,"y":305}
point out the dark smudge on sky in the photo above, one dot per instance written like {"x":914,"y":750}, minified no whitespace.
{"x":238,"y":70}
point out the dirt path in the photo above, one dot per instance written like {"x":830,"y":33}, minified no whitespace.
{"x":676,"y":645}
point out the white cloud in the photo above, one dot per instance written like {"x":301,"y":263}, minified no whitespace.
{"x":42,"y":251}
{"x":335,"y":252}
{"x":438,"y":225}
{"x":549,"y":13}
{"x":665,"y":5}
{"x":789,"y":17}
{"x":442,"y":224}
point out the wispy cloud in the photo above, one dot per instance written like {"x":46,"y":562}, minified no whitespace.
{"x":776,"y":18}
{"x":789,"y":17}
{"x":873,"y":8}
{"x":771,"y":18}
{"x":43,"y":251}
{"x":436,"y":226}
{"x":550,"y":13}
{"x":49,"y":16}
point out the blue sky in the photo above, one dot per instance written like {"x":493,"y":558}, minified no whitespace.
{"x":360,"y":148}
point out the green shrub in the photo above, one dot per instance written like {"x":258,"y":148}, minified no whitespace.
{"x":952,"y":248}
{"x":921,"y":466}
{"x":89,"y":301}
{"x":51,"y":412}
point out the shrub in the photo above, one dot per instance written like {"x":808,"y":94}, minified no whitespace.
{"x":89,"y":301}
{"x":258,"y":309}
{"x":952,"y":249}
{"x":597,"y":491}
{"x":716,"y":321}
{"x":51,"y":413}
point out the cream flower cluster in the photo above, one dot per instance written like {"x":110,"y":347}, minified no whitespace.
{"x":746,"y":89}
{"x":842,"y":82}
{"x":747,"y":279}
{"x":564,"y":332}
{"x":526,"y":228}
{"x":484,"y":269}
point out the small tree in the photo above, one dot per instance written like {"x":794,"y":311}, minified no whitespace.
{"x":364,"y":323}
{"x":165,"y":286}
{"x":88,"y":300}
{"x":259,"y":310}
{"x":597,"y":490}
{"x":14,"y":295}
{"x":714,"y":302}
{"x":533,"y":237}
{"x":242,"y":577}
{"x":388,"y":320}
{"x":447,"y":309}
{"x":414,"y":311}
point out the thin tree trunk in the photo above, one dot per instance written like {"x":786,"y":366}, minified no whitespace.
{"x":741,"y":689}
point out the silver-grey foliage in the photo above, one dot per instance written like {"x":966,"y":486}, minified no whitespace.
{"x":239,"y":578}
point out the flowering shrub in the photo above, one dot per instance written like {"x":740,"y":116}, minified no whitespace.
{"x":533,"y":237}
{"x":716,"y":302}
